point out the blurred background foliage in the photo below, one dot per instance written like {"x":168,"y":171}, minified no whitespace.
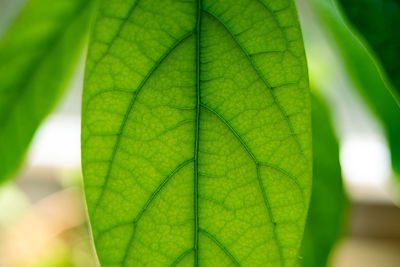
{"x":326,"y":215}
{"x":353,"y":52}
{"x":364,"y":70}
{"x":378,"y":21}
{"x":38,"y":54}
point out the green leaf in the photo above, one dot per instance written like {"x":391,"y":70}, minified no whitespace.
{"x":327,"y":212}
{"x":37,"y":56}
{"x":9,"y":9}
{"x":379,"y":22}
{"x":196,"y":140}
{"x":364,"y":73}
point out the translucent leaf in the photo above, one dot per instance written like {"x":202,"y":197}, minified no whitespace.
{"x":196,"y":140}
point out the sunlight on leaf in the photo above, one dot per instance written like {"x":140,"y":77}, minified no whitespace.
{"x":196,"y":140}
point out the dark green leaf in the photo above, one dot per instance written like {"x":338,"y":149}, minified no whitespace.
{"x":364,"y":73}
{"x":379,"y":22}
{"x":328,"y":201}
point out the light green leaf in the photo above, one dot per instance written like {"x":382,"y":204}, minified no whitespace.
{"x":327,"y":213}
{"x":37,"y":56}
{"x":379,"y":22}
{"x":364,"y":73}
{"x":196,"y":141}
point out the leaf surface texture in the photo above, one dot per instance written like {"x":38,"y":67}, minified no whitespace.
{"x":196,"y":140}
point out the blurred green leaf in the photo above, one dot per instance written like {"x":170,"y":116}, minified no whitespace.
{"x":379,"y":22}
{"x":9,"y":9}
{"x":196,"y":138}
{"x":37,"y":56}
{"x":328,"y":203}
{"x":365,"y":74}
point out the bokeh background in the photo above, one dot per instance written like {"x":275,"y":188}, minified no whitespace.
{"x":43,"y":218}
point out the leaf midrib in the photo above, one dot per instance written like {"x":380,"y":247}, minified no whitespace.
{"x":199,"y":105}
{"x":196,"y":147}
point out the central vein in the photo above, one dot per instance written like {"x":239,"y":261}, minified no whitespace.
{"x":196,"y":146}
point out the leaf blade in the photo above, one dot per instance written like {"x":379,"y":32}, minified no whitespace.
{"x":151,"y":134}
{"x":328,"y":205}
{"x":36,"y":59}
{"x":368,"y":80}
{"x":378,"y":21}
